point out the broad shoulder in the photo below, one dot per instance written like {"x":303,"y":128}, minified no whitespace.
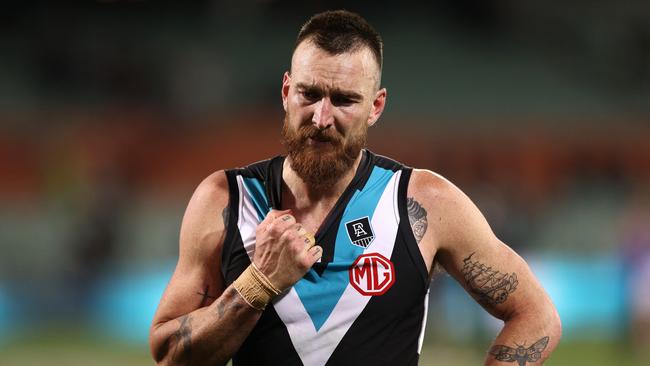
{"x":204,"y":222}
{"x":213,"y":190}
{"x":432,"y":189}
{"x":451,"y":215}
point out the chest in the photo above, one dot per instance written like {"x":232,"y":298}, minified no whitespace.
{"x":364,"y":251}
{"x":362,"y":224}
{"x":370,"y":274}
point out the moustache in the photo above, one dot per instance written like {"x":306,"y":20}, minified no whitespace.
{"x":326,"y":135}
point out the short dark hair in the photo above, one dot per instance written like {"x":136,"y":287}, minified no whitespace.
{"x":341,"y":31}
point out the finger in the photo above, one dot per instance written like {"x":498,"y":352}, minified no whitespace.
{"x":307,"y":237}
{"x":284,"y":221}
{"x":315,"y":253}
{"x":280,"y":225}
{"x":272,"y":216}
{"x":310,"y":240}
{"x":287,"y":218}
{"x":300,"y":229}
{"x":306,"y":234}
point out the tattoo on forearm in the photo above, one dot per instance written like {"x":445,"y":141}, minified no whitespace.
{"x":520,"y":354}
{"x":417,"y":218}
{"x":206,"y":296}
{"x":183,"y":340}
{"x":491,"y":286}
{"x":222,"y":308}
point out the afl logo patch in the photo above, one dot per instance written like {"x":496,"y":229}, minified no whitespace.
{"x":360,"y":232}
{"x":372,"y":274}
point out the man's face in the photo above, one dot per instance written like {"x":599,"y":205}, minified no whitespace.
{"x":330,"y":101}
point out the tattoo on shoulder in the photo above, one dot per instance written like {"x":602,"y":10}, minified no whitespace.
{"x":183,"y":338}
{"x":491,"y":286}
{"x":417,"y":218}
{"x":521,"y":355}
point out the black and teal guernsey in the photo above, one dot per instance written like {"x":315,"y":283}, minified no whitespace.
{"x":365,"y":301}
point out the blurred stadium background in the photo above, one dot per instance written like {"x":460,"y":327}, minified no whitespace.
{"x":111,"y":112}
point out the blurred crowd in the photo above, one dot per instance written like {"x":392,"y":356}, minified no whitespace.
{"x":112,"y":112}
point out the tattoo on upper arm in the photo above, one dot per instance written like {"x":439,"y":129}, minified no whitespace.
{"x":417,"y":218}
{"x":491,"y":286}
{"x":183,"y":338}
{"x":520,"y":354}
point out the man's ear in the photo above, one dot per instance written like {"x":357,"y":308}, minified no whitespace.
{"x":378,"y":105}
{"x":286,"y":81}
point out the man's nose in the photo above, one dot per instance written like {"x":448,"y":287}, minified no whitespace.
{"x":323,"y":114}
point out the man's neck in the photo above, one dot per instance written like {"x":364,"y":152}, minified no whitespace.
{"x":303,"y":195}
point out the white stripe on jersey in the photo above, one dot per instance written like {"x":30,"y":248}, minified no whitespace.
{"x":316,"y":347}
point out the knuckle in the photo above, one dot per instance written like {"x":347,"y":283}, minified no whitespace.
{"x":289,"y":235}
{"x":302,"y":264}
{"x":274,"y":229}
{"x":306,"y":263}
{"x":297,"y":248}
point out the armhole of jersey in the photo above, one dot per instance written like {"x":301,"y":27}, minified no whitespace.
{"x":233,"y":218}
{"x":273,"y":182}
{"x":405,"y":227}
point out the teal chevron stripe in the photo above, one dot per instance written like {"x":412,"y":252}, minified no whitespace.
{"x":320,"y":294}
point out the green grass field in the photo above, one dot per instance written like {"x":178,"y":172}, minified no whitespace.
{"x":72,"y":347}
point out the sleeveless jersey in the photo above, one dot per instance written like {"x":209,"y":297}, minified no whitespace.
{"x":365,"y":301}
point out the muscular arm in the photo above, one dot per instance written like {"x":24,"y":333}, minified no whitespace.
{"x":459,"y":238}
{"x":198,"y":321}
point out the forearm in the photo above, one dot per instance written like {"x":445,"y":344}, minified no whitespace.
{"x":206,"y":336}
{"x":526,"y":338}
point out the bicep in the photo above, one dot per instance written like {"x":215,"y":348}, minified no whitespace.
{"x":197,"y":281}
{"x":190,"y":288}
{"x":465,"y":246}
{"x":493,"y":274}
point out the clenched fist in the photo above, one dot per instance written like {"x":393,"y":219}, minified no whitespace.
{"x":284,"y":250}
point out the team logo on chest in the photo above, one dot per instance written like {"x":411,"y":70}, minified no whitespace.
{"x":372,"y":274}
{"x":360,"y":232}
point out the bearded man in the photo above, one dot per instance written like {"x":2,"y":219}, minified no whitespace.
{"x":324,"y":257}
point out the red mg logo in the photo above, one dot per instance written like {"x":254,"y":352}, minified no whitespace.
{"x":372,"y":274}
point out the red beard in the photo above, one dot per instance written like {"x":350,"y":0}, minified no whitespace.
{"x":321,"y":166}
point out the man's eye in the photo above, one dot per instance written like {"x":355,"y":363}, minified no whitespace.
{"x":310,"y":95}
{"x":342,"y":101}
